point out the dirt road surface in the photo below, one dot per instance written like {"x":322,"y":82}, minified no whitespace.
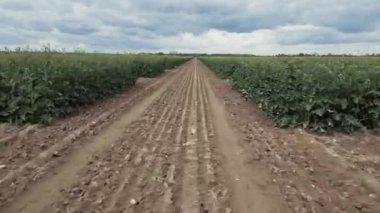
{"x":184,"y":142}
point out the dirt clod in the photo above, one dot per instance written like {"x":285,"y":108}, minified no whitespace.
{"x":133,"y":202}
{"x":56,"y":154}
{"x":43,"y":146}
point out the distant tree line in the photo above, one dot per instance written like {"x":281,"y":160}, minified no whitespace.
{"x":48,"y":49}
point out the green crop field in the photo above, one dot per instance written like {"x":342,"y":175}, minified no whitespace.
{"x":37,"y":87}
{"x":316,"y":93}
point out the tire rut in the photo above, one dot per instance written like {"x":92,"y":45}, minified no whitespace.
{"x":153,"y":198}
{"x":174,"y":175}
{"x":190,"y":200}
{"x":128,"y":152}
{"x":216,"y":193}
{"x":143,"y":188}
{"x":249,"y":186}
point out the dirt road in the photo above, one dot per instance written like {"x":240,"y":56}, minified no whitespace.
{"x":182,"y":143}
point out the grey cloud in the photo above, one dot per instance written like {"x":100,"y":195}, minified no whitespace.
{"x":142,"y":24}
{"x":11,"y":39}
{"x":322,"y":35}
{"x":40,"y":26}
{"x":16,"y":6}
{"x":76,"y":28}
{"x":245,"y":16}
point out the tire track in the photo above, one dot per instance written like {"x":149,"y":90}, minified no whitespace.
{"x":136,"y":132}
{"x":190,"y":198}
{"x":154,"y":189}
{"x":206,"y":199}
{"x":214,"y":191}
{"x":173,"y":178}
{"x":143,"y":188}
{"x":249,"y":185}
{"x":139,"y":169}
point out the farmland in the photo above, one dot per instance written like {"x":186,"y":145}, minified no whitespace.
{"x":313,"y":93}
{"x":38,"y":87}
{"x":197,"y":135}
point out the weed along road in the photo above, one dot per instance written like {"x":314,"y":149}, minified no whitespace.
{"x":183,"y":142}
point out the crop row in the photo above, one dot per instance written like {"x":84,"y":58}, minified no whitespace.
{"x":40,"y":87}
{"x":312,"y":93}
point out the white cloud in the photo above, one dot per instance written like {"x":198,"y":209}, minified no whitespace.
{"x":241,"y":26}
{"x":287,"y":39}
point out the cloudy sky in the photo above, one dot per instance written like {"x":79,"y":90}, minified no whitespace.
{"x":211,"y":26}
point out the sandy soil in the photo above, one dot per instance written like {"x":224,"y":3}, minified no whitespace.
{"x":185,"y":142}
